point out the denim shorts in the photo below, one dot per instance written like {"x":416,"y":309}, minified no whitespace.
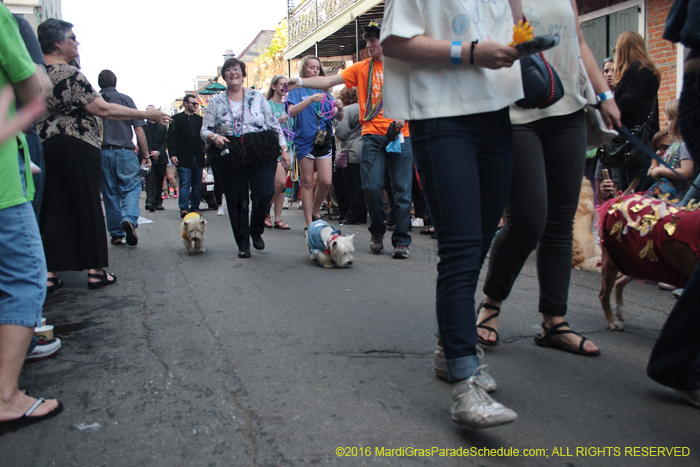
{"x":22,"y":267}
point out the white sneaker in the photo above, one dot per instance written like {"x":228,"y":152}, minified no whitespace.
{"x":299,"y":205}
{"x":286,"y":203}
{"x":220,"y":212}
{"x":46,"y":348}
{"x":472,"y":406}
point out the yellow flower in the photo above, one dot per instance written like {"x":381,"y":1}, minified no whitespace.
{"x":522,"y":32}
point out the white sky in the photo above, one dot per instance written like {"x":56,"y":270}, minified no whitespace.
{"x":157,"y":47}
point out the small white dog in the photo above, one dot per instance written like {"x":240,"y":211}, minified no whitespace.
{"x":328,"y":247}
{"x":193,"y":229}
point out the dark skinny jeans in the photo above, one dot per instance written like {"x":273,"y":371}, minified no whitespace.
{"x":462,"y":158}
{"x":547,"y":172}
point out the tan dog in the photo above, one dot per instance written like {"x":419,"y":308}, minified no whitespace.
{"x":193,"y":228}
{"x":645,"y":238}
{"x":586,"y":252}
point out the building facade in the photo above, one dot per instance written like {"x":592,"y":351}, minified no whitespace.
{"x":35,"y":11}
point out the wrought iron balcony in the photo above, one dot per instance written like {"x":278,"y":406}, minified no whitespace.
{"x":311,"y":15}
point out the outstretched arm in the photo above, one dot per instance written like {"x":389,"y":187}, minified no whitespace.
{"x":317,"y":82}
{"x":100,"y":108}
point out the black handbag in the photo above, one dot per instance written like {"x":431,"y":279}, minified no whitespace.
{"x":541,"y":83}
{"x":619,"y":152}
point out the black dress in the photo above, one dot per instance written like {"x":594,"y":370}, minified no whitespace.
{"x":72,"y":222}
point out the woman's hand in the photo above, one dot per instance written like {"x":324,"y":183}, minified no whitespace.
{"x":155,"y":115}
{"x":284,"y":118}
{"x":220,"y":140}
{"x":607,"y":189}
{"x":316,"y":97}
{"x":339,"y":105}
{"x":286,"y":159}
{"x":493,"y":55}
{"x":610,"y":113}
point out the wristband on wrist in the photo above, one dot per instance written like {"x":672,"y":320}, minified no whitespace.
{"x":605,"y":96}
{"x":456,"y":53}
{"x":471,"y":55}
{"x":299,"y":82}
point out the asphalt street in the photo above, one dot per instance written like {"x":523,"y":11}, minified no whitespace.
{"x":212,"y":360}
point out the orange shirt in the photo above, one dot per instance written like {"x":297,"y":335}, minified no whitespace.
{"x":357,"y":75}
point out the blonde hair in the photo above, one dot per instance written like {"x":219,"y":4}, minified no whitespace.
{"x":305,"y":61}
{"x":671,"y":111}
{"x":631,"y":48}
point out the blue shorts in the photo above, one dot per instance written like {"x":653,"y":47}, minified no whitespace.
{"x":22,"y":267}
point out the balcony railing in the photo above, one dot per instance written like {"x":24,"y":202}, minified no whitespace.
{"x":311,"y":15}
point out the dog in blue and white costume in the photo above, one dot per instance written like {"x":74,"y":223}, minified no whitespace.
{"x":328,"y":247}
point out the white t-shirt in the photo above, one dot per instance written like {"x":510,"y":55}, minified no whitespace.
{"x":556,"y":17}
{"x":415,"y":92}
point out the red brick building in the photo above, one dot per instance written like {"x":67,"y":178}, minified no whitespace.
{"x":603,"y":20}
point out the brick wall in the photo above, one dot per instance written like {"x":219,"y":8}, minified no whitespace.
{"x":662,"y":52}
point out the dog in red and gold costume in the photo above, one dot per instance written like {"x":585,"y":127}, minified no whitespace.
{"x":645,"y":238}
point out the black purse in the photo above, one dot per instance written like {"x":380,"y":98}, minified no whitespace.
{"x":541,"y":83}
{"x":620,"y":153}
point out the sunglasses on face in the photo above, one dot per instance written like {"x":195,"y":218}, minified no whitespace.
{"x":193,"y":103}
{"x":234,"y":70}
{"x":662,"y":147}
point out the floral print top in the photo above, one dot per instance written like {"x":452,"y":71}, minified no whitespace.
{"x":65,"y":113}
{"x":257,"y":116}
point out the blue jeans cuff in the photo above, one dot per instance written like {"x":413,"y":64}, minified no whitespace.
{"x":463,"y":367}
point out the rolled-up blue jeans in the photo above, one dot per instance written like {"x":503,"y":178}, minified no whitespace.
{"x":121,"y":188}
{"x":462,"y":158}
{"x":372,"y":163}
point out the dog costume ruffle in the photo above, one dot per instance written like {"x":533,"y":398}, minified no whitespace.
{"x":634,"y":227}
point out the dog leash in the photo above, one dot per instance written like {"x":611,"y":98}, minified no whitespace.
{"x":647,"y":150}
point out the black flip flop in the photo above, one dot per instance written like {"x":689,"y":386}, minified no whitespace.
{"x":426,"y":232}
{"x":26,"y":420}
{"x":495,"y":308}
{"x":545,"y":340}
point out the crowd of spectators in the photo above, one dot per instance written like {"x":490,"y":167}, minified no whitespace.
{"x":409,"y":144}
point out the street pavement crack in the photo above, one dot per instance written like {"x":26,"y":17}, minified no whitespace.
{"x":382,"y":354}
